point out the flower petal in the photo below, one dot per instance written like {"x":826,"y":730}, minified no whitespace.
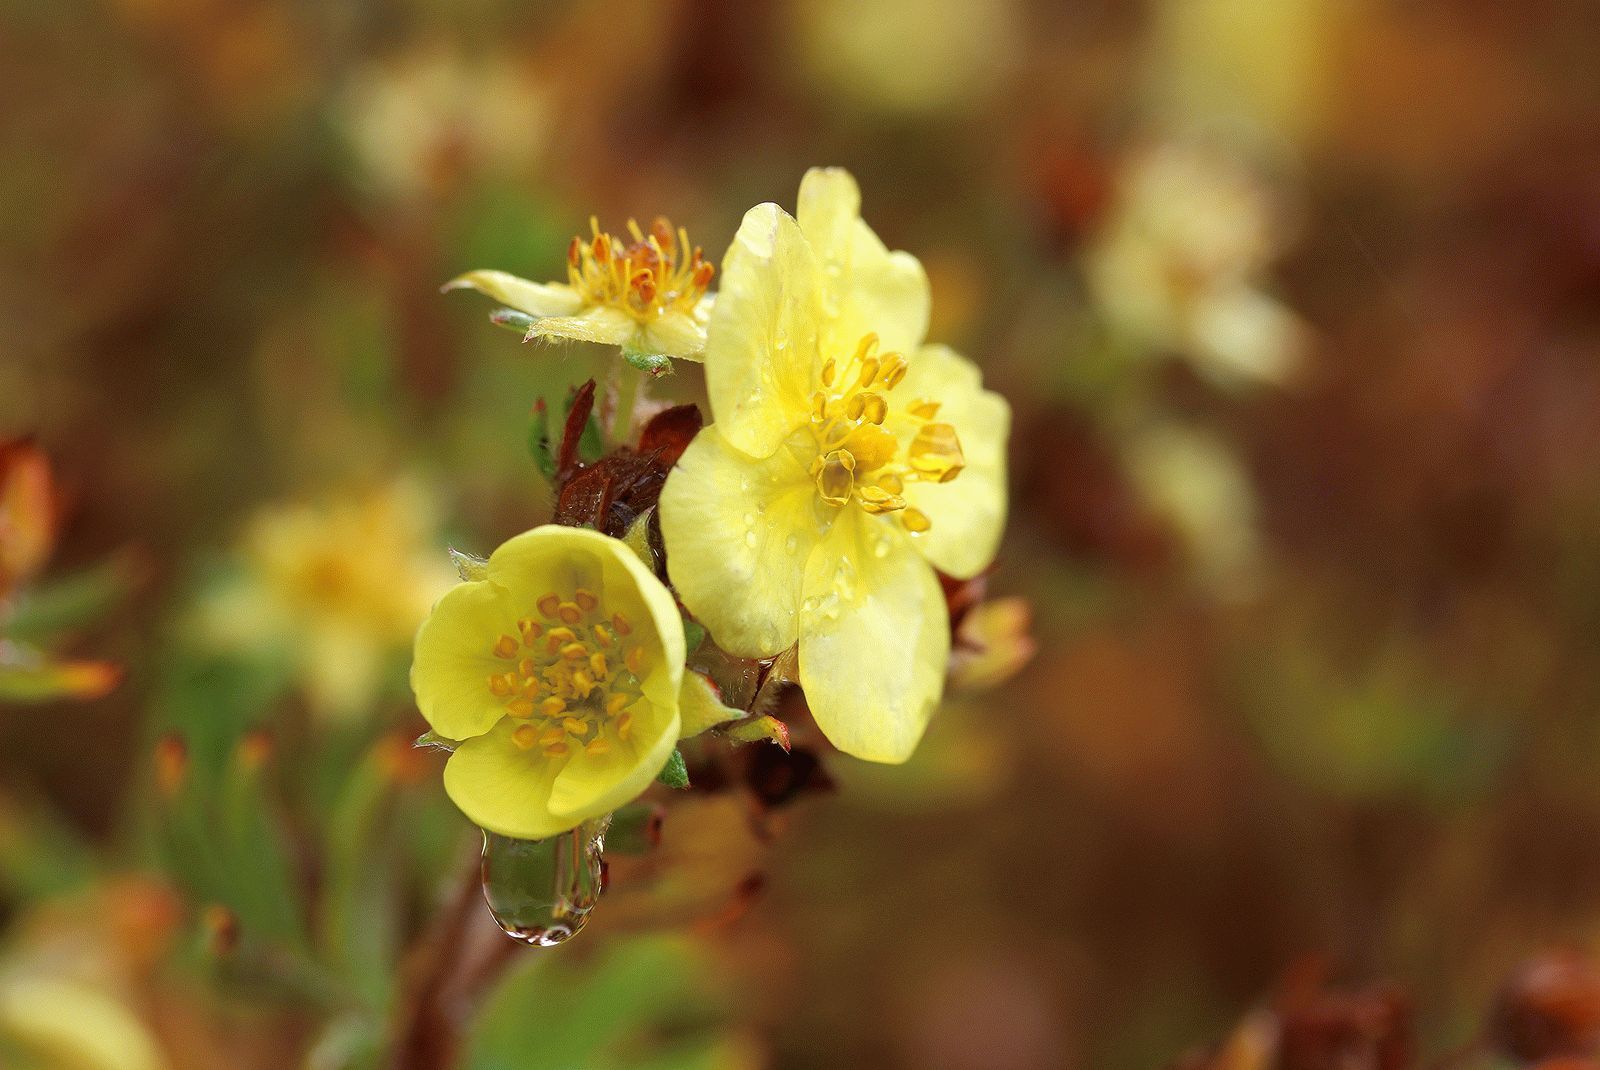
{"x":867,"y":287}
{"x":603,"y":324}
{"x":761,"y":346}
{"x":595,"y":784}
{"x":874,"y":639}
{"x":969,"y":512}
{"x":738,"y":532}
{"x":534,"y":298}
{"x":453,"y":659}
{"x":505,"y":789}
{"x":674,"y":334}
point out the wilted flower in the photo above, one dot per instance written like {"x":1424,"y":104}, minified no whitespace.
{"x":847,"y":457}
{"x":647,"y":296}
{"x":341,"y":587}
{"x":561,"y":671}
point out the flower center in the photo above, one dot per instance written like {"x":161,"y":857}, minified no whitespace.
{"x":857,"y":460}
{"x":571,"y":675}
{"x":655,"y":273}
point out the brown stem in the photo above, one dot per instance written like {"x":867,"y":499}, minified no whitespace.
{"x":459,"y":959}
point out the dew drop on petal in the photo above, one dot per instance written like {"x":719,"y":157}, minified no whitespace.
{"x":792,"y":544}
{"x":542,"y":891}
{"x":750,"y":539}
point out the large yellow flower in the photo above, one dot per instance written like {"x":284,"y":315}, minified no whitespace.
{"x":647,"y":296}
{"x":561,"y":671}
{"x":846,"y":457}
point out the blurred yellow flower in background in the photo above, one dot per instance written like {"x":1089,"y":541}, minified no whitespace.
{"x":340,"y":587}
{"x":847,"y":457}
{"x":561,"y":671}
{"x":1179,"y":265}
{"x":647,"y":295}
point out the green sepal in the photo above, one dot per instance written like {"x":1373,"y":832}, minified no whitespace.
{"x":694,"y":633}
{"x":675,"y":774}
{"x":468,"y":567}
{"x":539,"y":441}
{"x":512,"y":320}
{"x":434,"y":740}
{"x":655,"y":364}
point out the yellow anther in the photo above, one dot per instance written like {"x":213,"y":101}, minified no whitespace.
{"x":598,"y":745}
{"x":923,"y":409}
{"x":873,"y":407}
{"x":828,"y":371}
{"x":836,"y":477}
{"x":624,"y":725}
{"x":598,"y":666}
{"x":505,"y":647}
{"x":868,"y":343}
{"x":894,"y":370}
{"x":875,"y":500}
{"x":936,"y":453}
{"x":569,"y":612}
{"x":872,"y":447}
{"x":525,"y":736}
{"x":526,"y":667}
{"x":559,"y":636}
{"x":554,"y":706}
{"x":892,"y":483}
{"x":616,"y":702}
{"x":819,"y":406}
{"x":602,"y":636}
{"x":869,"y":371}
{"x":552,"y":734}
{"x":530,"y":629}
{"x":575,"y":726}
{"x":499,"y":685}
{"x":635,"y":660}
{"x":530,"y":686}
{"x":574,"y":651}
{"x":855,"y":406}
{"x":520,"y":707}
{"x":585,"y":599}
{"x":582,"y":683}
{"x":549,"y":603}
{"x":915,"y":520}
{"x":620,"y":624}
{"x":556,"y":750}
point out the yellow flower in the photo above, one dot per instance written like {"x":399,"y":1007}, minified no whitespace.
{"x":647,"y":296}
{"x":561,"y":671}
{"x":847,"y":457}
{"x":340,"y":586}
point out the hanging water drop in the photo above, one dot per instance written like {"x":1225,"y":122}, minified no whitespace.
{"x":792,"y":543}
{"x":542,"y":891}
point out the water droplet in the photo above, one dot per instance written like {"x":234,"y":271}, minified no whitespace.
{"x":880,"y":547}
{"x":750,"y":539}
{"x":749,"y":519}
{"x":542,"y":891}
{"x":792,"y":544}
{"x":809,"y":605}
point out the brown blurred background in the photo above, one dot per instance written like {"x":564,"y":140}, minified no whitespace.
{"x":1295,"y":302}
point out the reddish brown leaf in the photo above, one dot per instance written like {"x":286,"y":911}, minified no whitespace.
{"x":669,"y":433}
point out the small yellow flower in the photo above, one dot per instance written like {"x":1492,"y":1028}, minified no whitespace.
{"x":647,"y":295}
{"x":561,"y":671}
{"x":847,"y":457}
{"x":340,"y":586}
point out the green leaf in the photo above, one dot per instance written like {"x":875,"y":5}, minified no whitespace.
{"x":674,"y":774}
{"x":694,"y":633}
{"x":78,"y":599}
{"x":539,"y":440}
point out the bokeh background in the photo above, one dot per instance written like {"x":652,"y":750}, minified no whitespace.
{"x":1297,"y":303}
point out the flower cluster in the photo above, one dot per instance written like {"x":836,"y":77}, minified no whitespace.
{"x":847,"y":464}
